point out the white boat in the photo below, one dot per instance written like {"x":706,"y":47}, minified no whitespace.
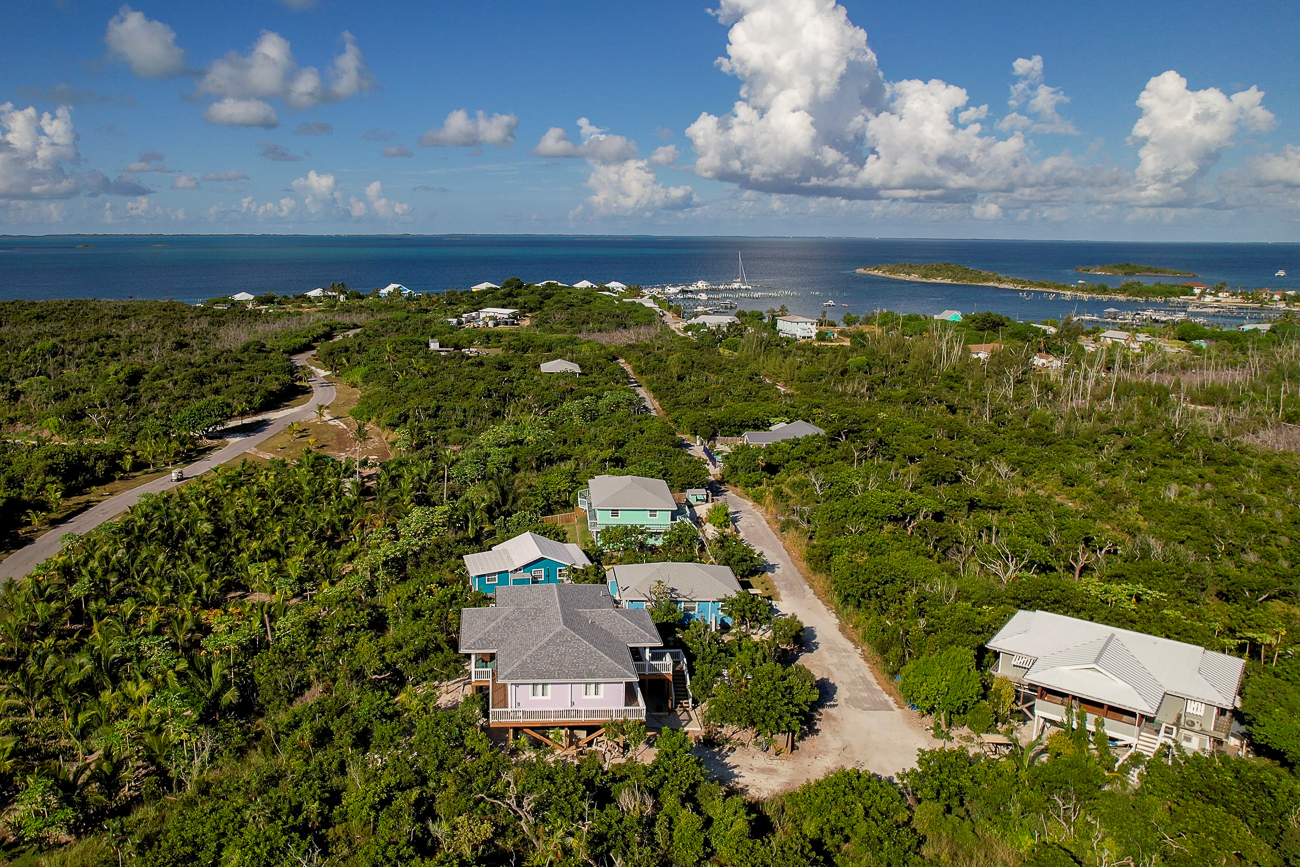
{"x":1280,"y":273}
{"x":702,"y":296}
{"x":740,"y":282}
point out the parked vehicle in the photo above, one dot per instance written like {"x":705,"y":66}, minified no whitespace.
{"x":178,"y":475}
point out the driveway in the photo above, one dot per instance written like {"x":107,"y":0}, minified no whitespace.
{"x":24,"y":560}
{"x":859,"y":726}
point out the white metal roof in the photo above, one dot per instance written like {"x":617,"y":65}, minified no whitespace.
{"x":497,"y":311}
{"x":547,"y":282}
{"x":712,"y":319}
{"x":520,"y":551}
{"x":484,"y":285}
{"x":1117,"y":666}
{"x":559,"y":365}
{"x":242,"y":296}
{"x":796,"y":319}
{"x":584,"y":284}
{"x":630,"y":492}
{"x":614,"y":284}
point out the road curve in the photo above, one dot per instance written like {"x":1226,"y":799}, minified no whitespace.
{"x":24,"y":560}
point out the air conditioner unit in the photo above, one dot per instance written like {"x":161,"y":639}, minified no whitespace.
{"x":1191,"y":723}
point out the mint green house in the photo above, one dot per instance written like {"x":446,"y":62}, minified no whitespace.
{"x":630,"y":501}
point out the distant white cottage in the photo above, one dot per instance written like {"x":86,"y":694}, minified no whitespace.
{"x":242,"y":296}
{"x":584,"y":284}
{"x":615,"y":285}
{"x":714,"y":320}
{"x":479,"y":287}
{"x":559,"y":365}
{"x":780,"y":432}
{"x":394,"y":289}
{"x":798,"y":327}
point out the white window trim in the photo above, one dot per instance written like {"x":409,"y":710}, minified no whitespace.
{"x":562,"y":572}
{"x":653,"y":514}
{"x":539,"y":690}
{"x":690,"y":607}
{"x":593,"y":690}
{"x":614,"y":513}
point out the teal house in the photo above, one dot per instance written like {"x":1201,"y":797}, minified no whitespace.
{"x":526,"y":559}
{"x":630,"y":501}
{"x":698,"y":589}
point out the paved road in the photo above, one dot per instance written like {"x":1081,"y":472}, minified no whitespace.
{"x":646,"y":397}
{"x":24,"y":560}
{"x":860,"y":726}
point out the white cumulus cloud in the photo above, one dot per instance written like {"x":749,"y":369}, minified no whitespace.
{"x":148,"y":46}
{"x":34,"y":148}
{"x":596,"y":145}
{"x":1276,"y":169}
{"x":630,"y":187}
{"x":185,"y":182}
{"x":1183,"y":133}
{"x":244,"y":83}
{"x":225,"y":176}
{"x":242,"y":112}
{"x":318,"y":191}
{"x":461,"y":130}
{"x":664,"y":156}
{"x":1038,"y":99}
{"x":383,"y":208}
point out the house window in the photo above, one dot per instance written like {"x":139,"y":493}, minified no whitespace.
{"x":592,"y":690}
{"x":540,"y":690}
{"x":653,"y":514}
{"x":1195,"y":708}
{"x":613,"y":513}
{"x":562,"y":572}
{"x":539,"y":576}
{"x":690,"y":607}
{"x":1022,"y":661}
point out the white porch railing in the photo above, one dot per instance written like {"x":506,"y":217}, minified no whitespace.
{"x":482,"y":674}
{"x":654,"y":666}
{"x":563,"y":715}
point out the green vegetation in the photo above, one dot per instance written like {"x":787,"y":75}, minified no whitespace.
{"x":257,"y":668}
{"x":1128,"y":269}
{"x":90,"y":390}
{"x":946,"y":272}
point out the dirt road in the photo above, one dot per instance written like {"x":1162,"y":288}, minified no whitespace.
{"x":859,"y":725}
{"x":24,"y":560}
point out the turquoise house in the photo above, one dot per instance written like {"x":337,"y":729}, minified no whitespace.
{"x":630,"y":501}
{"x":698,"y":588}
{"x":526,"y":559}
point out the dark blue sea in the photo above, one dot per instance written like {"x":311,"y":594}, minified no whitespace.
{"x":801,"y":273}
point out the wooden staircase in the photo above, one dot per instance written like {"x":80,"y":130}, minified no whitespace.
{"x":682,"y":685}
{"x":1147,"y":743}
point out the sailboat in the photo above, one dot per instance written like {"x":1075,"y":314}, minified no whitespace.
{"x":740,"y":282}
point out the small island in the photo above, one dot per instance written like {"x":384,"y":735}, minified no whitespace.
{"x":1128,"y":269}
{"x":947,"y":272}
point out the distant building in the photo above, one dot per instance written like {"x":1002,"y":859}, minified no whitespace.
{"x":798,"y":327}
{"x":1256,"y":326}
{"x":697,"y":588}
{"x":1050,"y":329}
{"x":1122,"y":338}
{"x":983,"y":350}
{"x":1149,"y":691}
{"x":714,"y":320}
{"x":559,"y":365}
{"x":484,"y":285}
{"x":394,"y":289}
{"x":948,"y":316}
{"x":526,"y":559}
{"x":242,"y":296}
{"x":584,"y":284}
{"x":551,"y":283}
{"x":779,"y":432}
{"x":1198,"y":288}
{"x":615,"y":285}
{"x":490,"y":317}
{"x":1047,"y":361}
{"x":322,"y":293}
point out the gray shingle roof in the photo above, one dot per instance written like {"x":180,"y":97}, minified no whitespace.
{"x":1117,"y":666}
{"x":522,"y":550}
{"x":557,"y":632}
{"x":790,"y":431}
{"x":630,"y":492}
{"x":691,"y":581}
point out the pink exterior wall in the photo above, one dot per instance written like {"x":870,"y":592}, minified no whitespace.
{"x":564,"y":695}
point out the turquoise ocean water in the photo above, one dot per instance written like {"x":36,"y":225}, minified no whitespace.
{"x":800,"y":273}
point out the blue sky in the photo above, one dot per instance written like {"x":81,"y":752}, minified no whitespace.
{"x":775,"y":117}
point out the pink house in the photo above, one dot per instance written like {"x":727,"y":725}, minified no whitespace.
{"x":550,"y":655}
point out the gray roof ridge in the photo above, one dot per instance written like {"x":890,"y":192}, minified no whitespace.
{"x":592,"y":621}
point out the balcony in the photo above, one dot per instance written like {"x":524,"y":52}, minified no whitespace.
{"x":662,"y":662}
{"x":566,"y":716}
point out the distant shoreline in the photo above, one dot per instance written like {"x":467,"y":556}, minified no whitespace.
{"x":914,"y":278}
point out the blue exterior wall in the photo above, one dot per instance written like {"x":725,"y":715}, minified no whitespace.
{"x":708,"y":610}
{"x":490,"y":582}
